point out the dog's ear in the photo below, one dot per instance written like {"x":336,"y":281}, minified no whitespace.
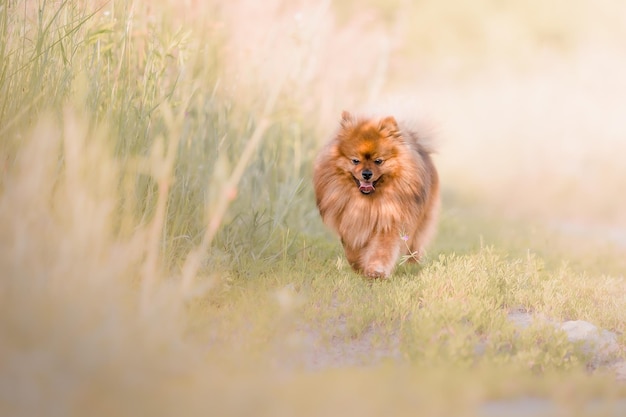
{"x":346,"y":118}
{"x":388,"y":123}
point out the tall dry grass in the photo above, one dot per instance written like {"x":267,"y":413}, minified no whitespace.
{"x":148,"y":151}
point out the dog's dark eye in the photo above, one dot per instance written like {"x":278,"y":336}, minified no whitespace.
{"x":378,"y":161}
{"x":355,"y":161}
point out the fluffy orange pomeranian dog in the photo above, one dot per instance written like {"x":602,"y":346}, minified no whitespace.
{"x":376,"y":186}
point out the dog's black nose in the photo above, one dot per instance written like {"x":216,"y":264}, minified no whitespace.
{"x":366,"y":174}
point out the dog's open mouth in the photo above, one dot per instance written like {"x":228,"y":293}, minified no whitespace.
{"x":366,"y":187}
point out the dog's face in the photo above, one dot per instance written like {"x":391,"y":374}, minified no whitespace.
{"x":367,"y":149}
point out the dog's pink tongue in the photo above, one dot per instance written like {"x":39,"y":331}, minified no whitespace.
{"x":366,"y":187}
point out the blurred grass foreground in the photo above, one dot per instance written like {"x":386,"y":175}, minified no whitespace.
{"x":162,"y":253}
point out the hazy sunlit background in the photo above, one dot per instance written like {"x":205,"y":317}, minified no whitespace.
{"x":528,"y":97}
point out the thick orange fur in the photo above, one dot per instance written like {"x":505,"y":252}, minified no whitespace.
{"x":374,"y":183}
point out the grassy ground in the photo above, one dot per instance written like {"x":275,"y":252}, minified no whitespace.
{"x":161,"y":250}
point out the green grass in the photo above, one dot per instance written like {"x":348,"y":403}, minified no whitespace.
{"x":161,"y":249}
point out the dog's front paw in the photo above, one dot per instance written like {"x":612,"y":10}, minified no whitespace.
{"x":376,"y":271}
